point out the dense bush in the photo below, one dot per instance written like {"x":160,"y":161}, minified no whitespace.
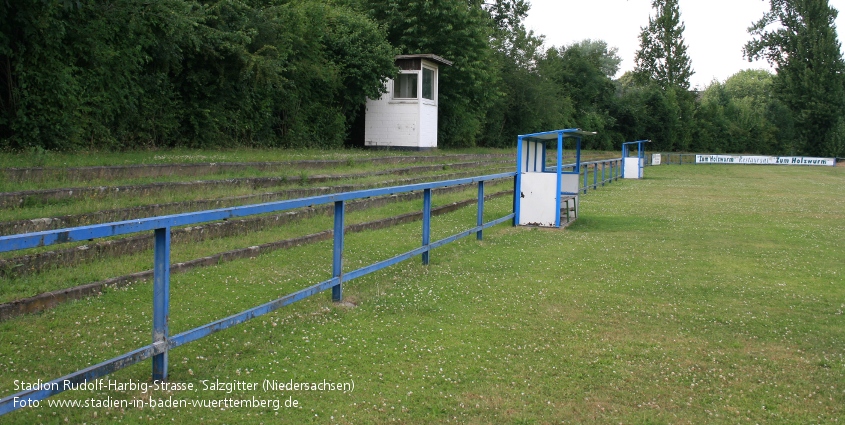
{"x":130,"y":73}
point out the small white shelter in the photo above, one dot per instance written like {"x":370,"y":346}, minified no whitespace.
{"x":632,"y":167}
{"x":405,"y":117}
{"x":546,"y":196}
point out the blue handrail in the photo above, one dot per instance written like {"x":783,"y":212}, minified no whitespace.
{"x":607,"y":176}
{"x":162,"y":341}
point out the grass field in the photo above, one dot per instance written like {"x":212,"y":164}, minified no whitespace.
{"x":701,"y":294}
{"x":181,"y":156}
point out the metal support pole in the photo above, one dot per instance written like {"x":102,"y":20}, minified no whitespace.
{"x":517,"y":182}
{"x":480,"y":220}
{"x":567,"y":211}
{"x":558,"y":171}
{"x":161,"y":299}
{"x":595,"y":176}
{"x":603,"y":166}
{"x":586,"y":172}
{"x":514,"y":207}
{"x":426,"y":225}
{"x":337,"y":253}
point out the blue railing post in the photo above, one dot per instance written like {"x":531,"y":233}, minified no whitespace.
{"x":161,"y":299}
{"x":426,"y":224}
{"x":480,"y":217}
{"x":586,"y":172}
{"x":603,"y":169}
{"x":337,"y":252}
{"x":595,"y":176}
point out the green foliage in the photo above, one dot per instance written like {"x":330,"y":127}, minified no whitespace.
{"x":811,"y":71}
{"x":583,"y":71}
{"x":129,"y":74}
{"x":650,"y":112}
{"x":528,"y":103}
{"x":741,"y":115}
{"x":662,"y":61}
{"x":527,"y":100}
{"x":663,"y":52}
{"x":458,"y":30}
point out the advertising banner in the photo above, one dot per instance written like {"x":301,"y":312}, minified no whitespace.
{"x":767,"y":160}
{"x":655,"y":159}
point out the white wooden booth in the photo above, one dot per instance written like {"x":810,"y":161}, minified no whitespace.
{"x":405,"y":117}
{"x":632,"y":167}
{"x":546,"y":196}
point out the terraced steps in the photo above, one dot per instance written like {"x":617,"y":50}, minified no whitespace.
{"x":41,"y":174}
{"x":51,"y":299}
{"x":47,"y":196}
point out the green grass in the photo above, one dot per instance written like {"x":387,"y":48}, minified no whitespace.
{"x":182,"y":155}
{"x":291,"y":174}
{"x":104,"y":268}
{"x":112,"y":200}
{"x":701,"y":294}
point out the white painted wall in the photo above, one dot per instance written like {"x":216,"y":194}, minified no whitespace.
{"x":538,"y":199}
{"x":390,"y":122}
{"x":428,"y":124}
{"x":406,"y":123}
{"x":632,"y":168}
{"x":532,"y":157}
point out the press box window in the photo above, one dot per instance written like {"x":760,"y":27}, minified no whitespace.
{"x":428,"y":84}
{"x":405,"y":86}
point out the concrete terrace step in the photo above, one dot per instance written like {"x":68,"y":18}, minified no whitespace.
{"x":51,"y":299}
{"x":40,"y":174}
{"x":120,"y":214}
{"x":18,"y":199}
{"x":63,"y":257}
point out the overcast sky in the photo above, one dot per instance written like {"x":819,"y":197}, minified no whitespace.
{"x":715,"y":31}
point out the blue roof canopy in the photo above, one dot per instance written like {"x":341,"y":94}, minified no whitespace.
{"x":553,"y":134}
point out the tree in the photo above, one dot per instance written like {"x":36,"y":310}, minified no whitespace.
{"x":460,"y":31}
{"x":741,"y":116}
{"x":527,"y":102}
{"x":662,"y":60}
{"x":647,"y":111}
{"x":663,"y":53}
{"x":582,"y":71}
{"x":134,"y":73}
{"x":810,"y":70}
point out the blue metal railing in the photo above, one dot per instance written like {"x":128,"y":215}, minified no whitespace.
{"x":611,"y":169}
{"x":162,"y":341}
